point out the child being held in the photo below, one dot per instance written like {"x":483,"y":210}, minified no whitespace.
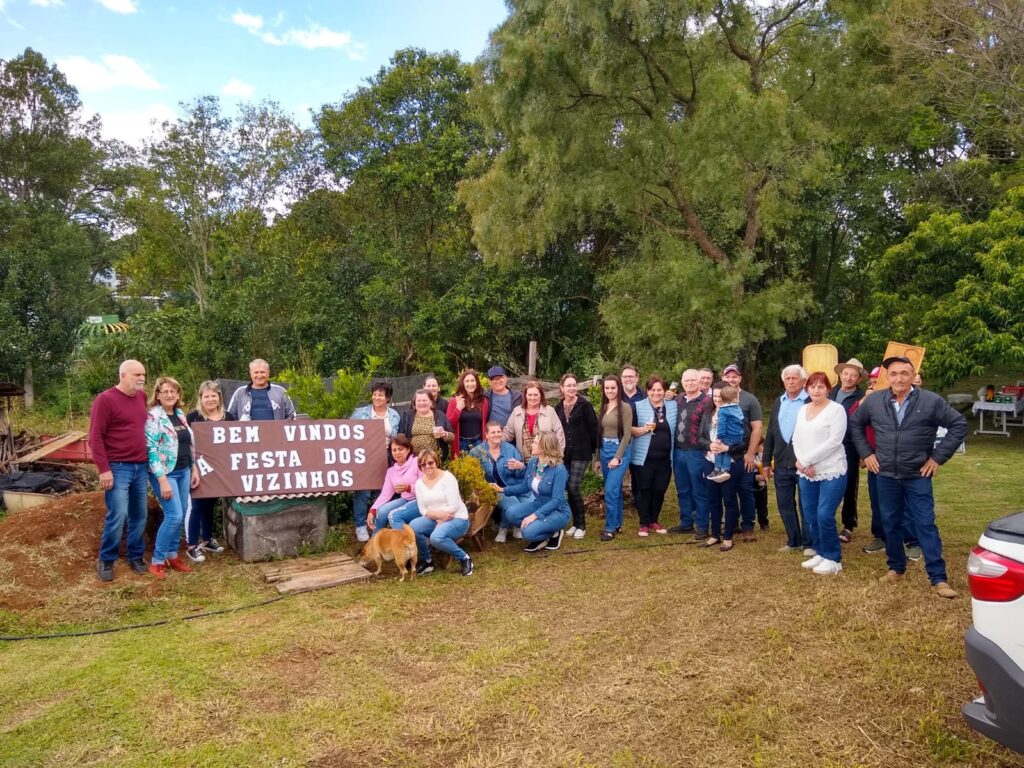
{"x":728,"y":423}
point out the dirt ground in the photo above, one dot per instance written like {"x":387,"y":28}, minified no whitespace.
{"x":53,"y":548}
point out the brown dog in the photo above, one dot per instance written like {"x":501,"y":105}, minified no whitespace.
{"x":389,"y":544}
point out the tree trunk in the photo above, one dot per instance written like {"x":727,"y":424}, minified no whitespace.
{"x":28,"y":386}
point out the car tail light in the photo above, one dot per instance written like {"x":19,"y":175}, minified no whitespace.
{"x":994,"y":578}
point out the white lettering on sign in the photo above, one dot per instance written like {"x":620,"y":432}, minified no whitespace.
{"x":204,"y":466}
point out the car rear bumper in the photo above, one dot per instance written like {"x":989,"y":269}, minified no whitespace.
{"x":999,"y":714}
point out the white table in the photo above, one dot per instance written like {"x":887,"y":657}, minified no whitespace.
{"x":1000,"y":413}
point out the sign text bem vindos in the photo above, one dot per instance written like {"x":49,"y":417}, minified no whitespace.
{"x":259,"y":458}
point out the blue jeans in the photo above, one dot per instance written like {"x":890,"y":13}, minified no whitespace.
{"x":397,"y":506}
{"x":723,"y":494}
{"x":911,"y":498}
{"x":691,"y":489}
{"x":909,"y":538}
{"x":361,"y":506}
{"x":820,"y":499}
{"x":199,"y":521}
{"x":168,"y":535}
{"x":442,"y":536}
{"x":791,"y":510}
{"x":542,"y":529}
{"x":613,"y":482}
{"x":126,"y":502}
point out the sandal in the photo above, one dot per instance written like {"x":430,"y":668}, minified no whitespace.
{"x":711,"y":543}
{"x":726,"y":547}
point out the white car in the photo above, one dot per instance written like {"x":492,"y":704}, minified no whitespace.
{"x":995,"y":643}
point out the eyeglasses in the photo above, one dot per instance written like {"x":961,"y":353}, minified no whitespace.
{"x":426,"y":464}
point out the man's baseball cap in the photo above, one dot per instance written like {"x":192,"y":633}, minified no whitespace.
{"x":875,"y":372}
{"x":495,"y":370}
{"x":896,"y":359}
{"x":732,"y":367}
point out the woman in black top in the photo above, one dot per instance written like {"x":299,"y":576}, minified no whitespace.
{"x":579,"y":422}
{"x":199,"y":517}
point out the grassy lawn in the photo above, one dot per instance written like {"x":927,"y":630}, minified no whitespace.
{"x":633,"y":653}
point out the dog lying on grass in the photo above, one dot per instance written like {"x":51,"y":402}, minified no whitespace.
{"x":397,"y":545}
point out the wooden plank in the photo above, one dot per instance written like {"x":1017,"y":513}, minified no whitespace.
{"x":324,"y":577}
{"x":54,"y":445}
{"x":279,"y":570}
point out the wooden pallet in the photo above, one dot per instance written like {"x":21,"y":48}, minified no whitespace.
{"x":307,"y":573}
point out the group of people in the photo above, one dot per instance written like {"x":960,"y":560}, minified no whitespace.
{"x":709,"y":437}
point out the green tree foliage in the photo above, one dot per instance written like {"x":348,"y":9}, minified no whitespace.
{"x":697,"y":122}
{"x":52,"y":200}
{"x":957,"y":288}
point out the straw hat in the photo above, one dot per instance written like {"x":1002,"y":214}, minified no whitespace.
{"x":853,"y":362}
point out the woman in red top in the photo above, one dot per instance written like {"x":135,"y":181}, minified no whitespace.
{"x":467,"y":412}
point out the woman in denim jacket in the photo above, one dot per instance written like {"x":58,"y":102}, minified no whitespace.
{"x":378,"y":408}
{"x":542,"y":518}
{"x":169,"y":444}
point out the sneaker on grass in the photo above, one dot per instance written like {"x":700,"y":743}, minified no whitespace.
{"x":555,"y":541}
{"x":467,"y":567}
{"x":536,"y":546}
{"x":422,"y":569}
{"x":213,"y":546}
{"x":195,"y":554}
{"x":502,"y":536}
{"x":876,"y":545}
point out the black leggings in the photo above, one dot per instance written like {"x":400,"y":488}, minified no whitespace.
{"x":653,"y":476}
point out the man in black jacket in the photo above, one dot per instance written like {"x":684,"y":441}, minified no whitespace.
{"x":848,"y":393}
{"x":779,"y":450}
{"x":904,"y":419}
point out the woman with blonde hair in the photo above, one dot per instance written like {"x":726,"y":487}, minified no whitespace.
{"x":199,"y":514}
{"x":543,"y":518}
{"x":169,"y":447}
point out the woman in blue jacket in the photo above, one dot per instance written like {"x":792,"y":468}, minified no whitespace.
{"x":378,"y":408}
{"x":654,"y":426}
{"x":542,"y":519}
{"x":503,"y":466}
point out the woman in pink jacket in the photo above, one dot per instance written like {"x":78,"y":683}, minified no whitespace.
{"x":400,"y":479}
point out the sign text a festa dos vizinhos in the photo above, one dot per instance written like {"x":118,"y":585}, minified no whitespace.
{"x":260,"y":458}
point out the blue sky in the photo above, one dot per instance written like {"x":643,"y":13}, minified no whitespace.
{"x":135,"y":60}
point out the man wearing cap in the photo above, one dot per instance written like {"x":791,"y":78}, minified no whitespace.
{"x":500,"y":399}
{"x":904,"y":419}
{"x":848,"y":393}
{"x":752,"y":413}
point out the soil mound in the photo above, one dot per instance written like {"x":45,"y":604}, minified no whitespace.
{"x":51,"y":548}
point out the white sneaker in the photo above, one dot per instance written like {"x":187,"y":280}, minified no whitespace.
{"x":813,"y":562}
{"x":502,"y":536}
{"x":571,"y":532}
{"x":362,"y":533}
{"x":579,"y":533}
{"x":827,"y":568}
{"x":517,"y":532}
{"x":809,"y":552}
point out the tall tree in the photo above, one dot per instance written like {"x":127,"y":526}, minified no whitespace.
{"x":52,"y":246}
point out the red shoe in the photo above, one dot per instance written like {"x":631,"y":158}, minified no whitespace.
{"x":178,"y":564}
{"x":658,"y":528}
{"x":158,"y":571}
{"x":643,"y":530}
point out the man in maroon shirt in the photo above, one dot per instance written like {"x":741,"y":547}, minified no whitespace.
{"x":117,"y":438}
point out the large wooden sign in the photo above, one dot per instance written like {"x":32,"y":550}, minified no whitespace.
{"x":278,"y":458}
{"x":898,"y":349}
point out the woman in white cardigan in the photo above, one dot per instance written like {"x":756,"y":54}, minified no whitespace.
{"x":444,"y":517}
{"x":821,"y":469}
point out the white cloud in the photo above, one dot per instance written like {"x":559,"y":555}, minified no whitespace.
{"x":247,"y":20}
{"x":134,"y":126}
{"x":235,"y":87}
{"x":45,"y":3}
{"x":313,"y":37}
{"x":119,"y":6}
{"x":310,"y":39}
{"x":113,"y":72}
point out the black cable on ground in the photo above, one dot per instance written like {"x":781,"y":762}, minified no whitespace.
{"x":249,"y":606}
{"x":158,"y":623}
